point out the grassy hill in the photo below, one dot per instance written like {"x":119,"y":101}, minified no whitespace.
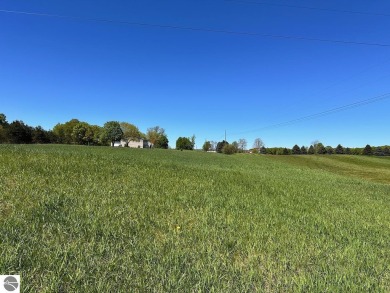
{"x":96,"y":219}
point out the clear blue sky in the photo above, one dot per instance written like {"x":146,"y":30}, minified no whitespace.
{"x":196,"y":82}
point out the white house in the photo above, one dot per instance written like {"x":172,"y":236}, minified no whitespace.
{"x":140,"y":144}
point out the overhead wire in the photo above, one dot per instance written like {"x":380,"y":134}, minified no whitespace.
{"x":187,"y":28}
{"x":320,"y":114}
{"x":309,"y":7}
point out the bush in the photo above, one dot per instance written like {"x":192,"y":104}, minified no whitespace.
{"x":229,"y":149}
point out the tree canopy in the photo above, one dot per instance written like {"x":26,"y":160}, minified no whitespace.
{"x":112,"y":132}
{"x":184,"y":143}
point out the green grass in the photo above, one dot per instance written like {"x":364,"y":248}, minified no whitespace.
{"x":96,"y":219}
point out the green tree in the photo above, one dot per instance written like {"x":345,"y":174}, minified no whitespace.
{"x":3,"y":119}
{"x":3,"y":134}
{"x":79,"y":133}
{"x":339,"y":149}
{"x":303,"y":150}
{"x":3,"y":128}
{"x":229,"y":149}
{"x":378,"y":151}
{"x":161,"y":142}
{"x":329,"y":150}
{"x":367,"y":151}
{"x":347,"y":151}
{"x":153,"y":134}
{"x":311,"y":150}
{"x":235,"y":144}
{"x":386,"y":151}
{"x":64,"y":132}
{"x":131,"y":132}
{"x":112,"y":132}
{"x":220,"y":146}
{"x":263,"y":150}
{"x":93,"y":134}
{"x":18,"y":132}
{"x":206,"y":146}
{"x":320,"y":149}
{"x":296,"y":150}
{"x":184,"y":143}
{"x":285,"y":151}
{"x":39,"y":135}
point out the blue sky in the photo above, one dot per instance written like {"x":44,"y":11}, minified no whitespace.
{"x":196,"y":82}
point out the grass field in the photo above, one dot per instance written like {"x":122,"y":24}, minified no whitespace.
{"x":96,"y":219}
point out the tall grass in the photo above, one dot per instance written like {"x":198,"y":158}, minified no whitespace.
{"x":96,"y":219}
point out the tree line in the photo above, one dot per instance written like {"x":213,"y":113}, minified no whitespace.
{"x":79,"y":132}
{"x":316,"y":148}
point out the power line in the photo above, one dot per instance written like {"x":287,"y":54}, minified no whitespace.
{"x":210,"y":30}
{"x":310,"y":8}
{"x":320,"y":114}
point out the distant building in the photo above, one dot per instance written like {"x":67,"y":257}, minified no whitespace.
{"x":140,"y":143}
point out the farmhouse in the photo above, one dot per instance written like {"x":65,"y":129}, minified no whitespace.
{"x":140,"y":143}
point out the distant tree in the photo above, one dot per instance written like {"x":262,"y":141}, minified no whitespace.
{"x":3,"y":128}
{"x":112,"y":132}
{"x":3,"y":135}
{"x":184,"y":143}
{"x":18,"y":132}
{"x":51,"y":136}
{"x":296,"y":150}
{"x":220,"y":146}
{"x":161,"y":142}
{"x":242,"y":143}
{"x":153,"y":134}
{"x":257,"y":144}
{"x":3,"y":119}
{"x":229,"y":149}
{"x":206,"y":146}
{"x":59,"y":133}
{"x":339,"y":149}
{"x":320,"y":149}
{"x":367,"y":151}
{"x":94,"y":133}
{"x":303,"y":150}
{"x":193,"y":137}
{"x":378,"y":151}
{"x":64,"y":131}
{"x":329,"y":150}
{"x":263,"y":150}
{"x":39,"y":135}
{"x":235,"y":144}
{"x":130,"y":131}
{"x":79,"y":133}
{"x":386,"y":151}
{"x":311,"y":150}
{"x":347,"y":151}
{"x":285,"y":151}
{"x":357,"y":151}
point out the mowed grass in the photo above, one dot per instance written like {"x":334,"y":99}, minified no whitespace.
{"x":97,"y":219}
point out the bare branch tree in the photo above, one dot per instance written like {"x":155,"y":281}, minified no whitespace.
{"x":258,"y":144}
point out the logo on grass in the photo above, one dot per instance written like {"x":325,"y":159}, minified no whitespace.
{"x":10,"y":283}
